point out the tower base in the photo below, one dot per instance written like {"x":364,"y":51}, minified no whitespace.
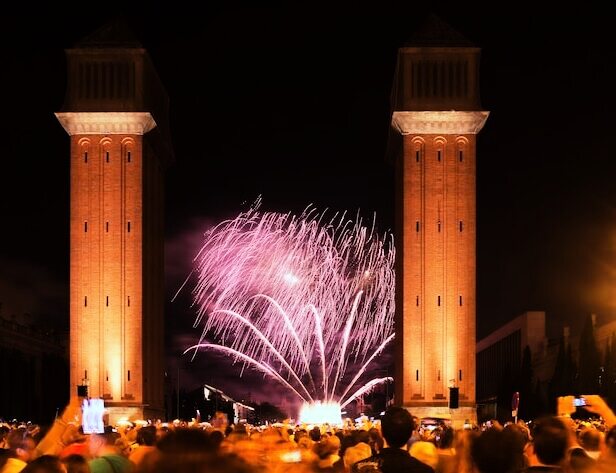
{"x":458,"y":417}
{"x":131,"y":412}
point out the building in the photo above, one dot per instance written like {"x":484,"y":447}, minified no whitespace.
{"x":241,"y":411}
{"x":116,"y":113}
{"x":505,"y":346}
{"x":499,"y":357}
{"x":436,"y":115}
{"x":34,"y":370}
{"x":500,"y":354}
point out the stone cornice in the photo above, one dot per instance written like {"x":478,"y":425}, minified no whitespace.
{"x":446,"y":122}
{"x":106,"y":123}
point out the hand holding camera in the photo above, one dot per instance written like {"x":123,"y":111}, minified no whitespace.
{"x":597,"y":405}
{"x":580,"y":401}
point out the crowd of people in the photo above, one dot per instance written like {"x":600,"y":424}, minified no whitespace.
{"x":398,"y":443}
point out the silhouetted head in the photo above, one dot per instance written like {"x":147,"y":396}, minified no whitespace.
{"x":397,"y":426}
{"x":45,"y":464}
{"x":496,"y":451}
{"x":315,"y":434}
{"x":146,"y":435}
{"x":550,"y":440}
{"x":76,"y":463}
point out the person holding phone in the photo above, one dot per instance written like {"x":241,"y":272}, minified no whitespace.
{"x":597,"y":405}
{"x":52,"y":443}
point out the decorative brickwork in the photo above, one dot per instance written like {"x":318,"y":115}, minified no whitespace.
{"x":435,"y":120}
{"x":118,"y":153}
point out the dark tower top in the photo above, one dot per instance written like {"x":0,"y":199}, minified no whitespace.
{"x":110,"y":71}
{"x":437,"y":69}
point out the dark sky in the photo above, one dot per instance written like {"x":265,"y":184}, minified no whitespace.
{"x":293,"y":104}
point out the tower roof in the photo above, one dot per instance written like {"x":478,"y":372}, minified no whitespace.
{"x":114,"y":34}
{"x":110,"y":71}
{"x":435,"y":32}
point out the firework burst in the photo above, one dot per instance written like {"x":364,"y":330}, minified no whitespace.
{"x":307,"y":300}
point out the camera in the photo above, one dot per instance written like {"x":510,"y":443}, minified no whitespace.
{"x":579,"y":401}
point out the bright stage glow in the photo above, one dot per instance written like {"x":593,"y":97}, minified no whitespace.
{"x":319,"y":413}
{"x":306,"y":300}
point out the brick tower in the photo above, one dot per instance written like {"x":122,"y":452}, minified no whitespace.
{"x":435,"y":120}
{"x":115,"y":111}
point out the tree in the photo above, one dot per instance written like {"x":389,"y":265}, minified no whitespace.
{"x":572,"y":371}
{"x":559,"y":383}
{"x":589,"y":360}
{"x":563,"y":380}
{"x":539,"y":402}
{"x":609,"y":371}
{"x":506,"y":388}
{"x":266,"y":412}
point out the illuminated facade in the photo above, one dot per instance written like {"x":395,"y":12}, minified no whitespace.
{"x":435,"y":121}
{"x":115,"y":112}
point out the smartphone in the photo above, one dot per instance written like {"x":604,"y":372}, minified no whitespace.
{"x":92,"y":411}
{"x":293,"y":456}
{"x":579,"y":401}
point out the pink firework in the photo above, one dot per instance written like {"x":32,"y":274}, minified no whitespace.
{"x":307,"y":300}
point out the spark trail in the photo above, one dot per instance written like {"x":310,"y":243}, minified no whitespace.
{"x":306,"y":299}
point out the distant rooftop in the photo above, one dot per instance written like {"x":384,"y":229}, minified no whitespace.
{"x":435,"y":32}
{"x":114,"y":34}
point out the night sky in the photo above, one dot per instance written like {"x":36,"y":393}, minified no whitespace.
{"x":292,"y":104}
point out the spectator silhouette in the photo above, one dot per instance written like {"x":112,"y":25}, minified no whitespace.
{"x":397,"y":425}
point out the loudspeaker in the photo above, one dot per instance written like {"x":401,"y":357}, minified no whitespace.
{"x":453,"y":397}
{"x":82,"y":390}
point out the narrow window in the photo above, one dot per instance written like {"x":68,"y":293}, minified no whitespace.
{"x":438,"y":155}
{"x":461,"y":225}
{"x":417,"y":301}
{"x":85,"y":301}
{"x":417,"y":226}
{"x":417,"y":153}
{"x":439,"y":375}
{"x":128,"y":156}
{"x":128,"y":226}
{"x":107,"y":156}
{"x":85,"y":227}
{"x":128,"y":301}
{"x":106,"y":375}
{"x":416,"y":375}
{"x":128,"y":375}
{"x":107,"y":301}
{"x":107,"y":226}
{"x":461,"y":155}
{"x":438,"y":300}
{"x":460,"y":300}
{"x":85,"y":374}
{"x":85,"y":157}
{"x":460,"y":375}
{"x":438,"y":224}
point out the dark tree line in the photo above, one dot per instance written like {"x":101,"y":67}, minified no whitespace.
{"x":521,"y":379}
{"x":589,"y":372}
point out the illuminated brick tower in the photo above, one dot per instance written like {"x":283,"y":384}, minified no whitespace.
{"x":435,"y":121}
{"x":115,"y":112}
